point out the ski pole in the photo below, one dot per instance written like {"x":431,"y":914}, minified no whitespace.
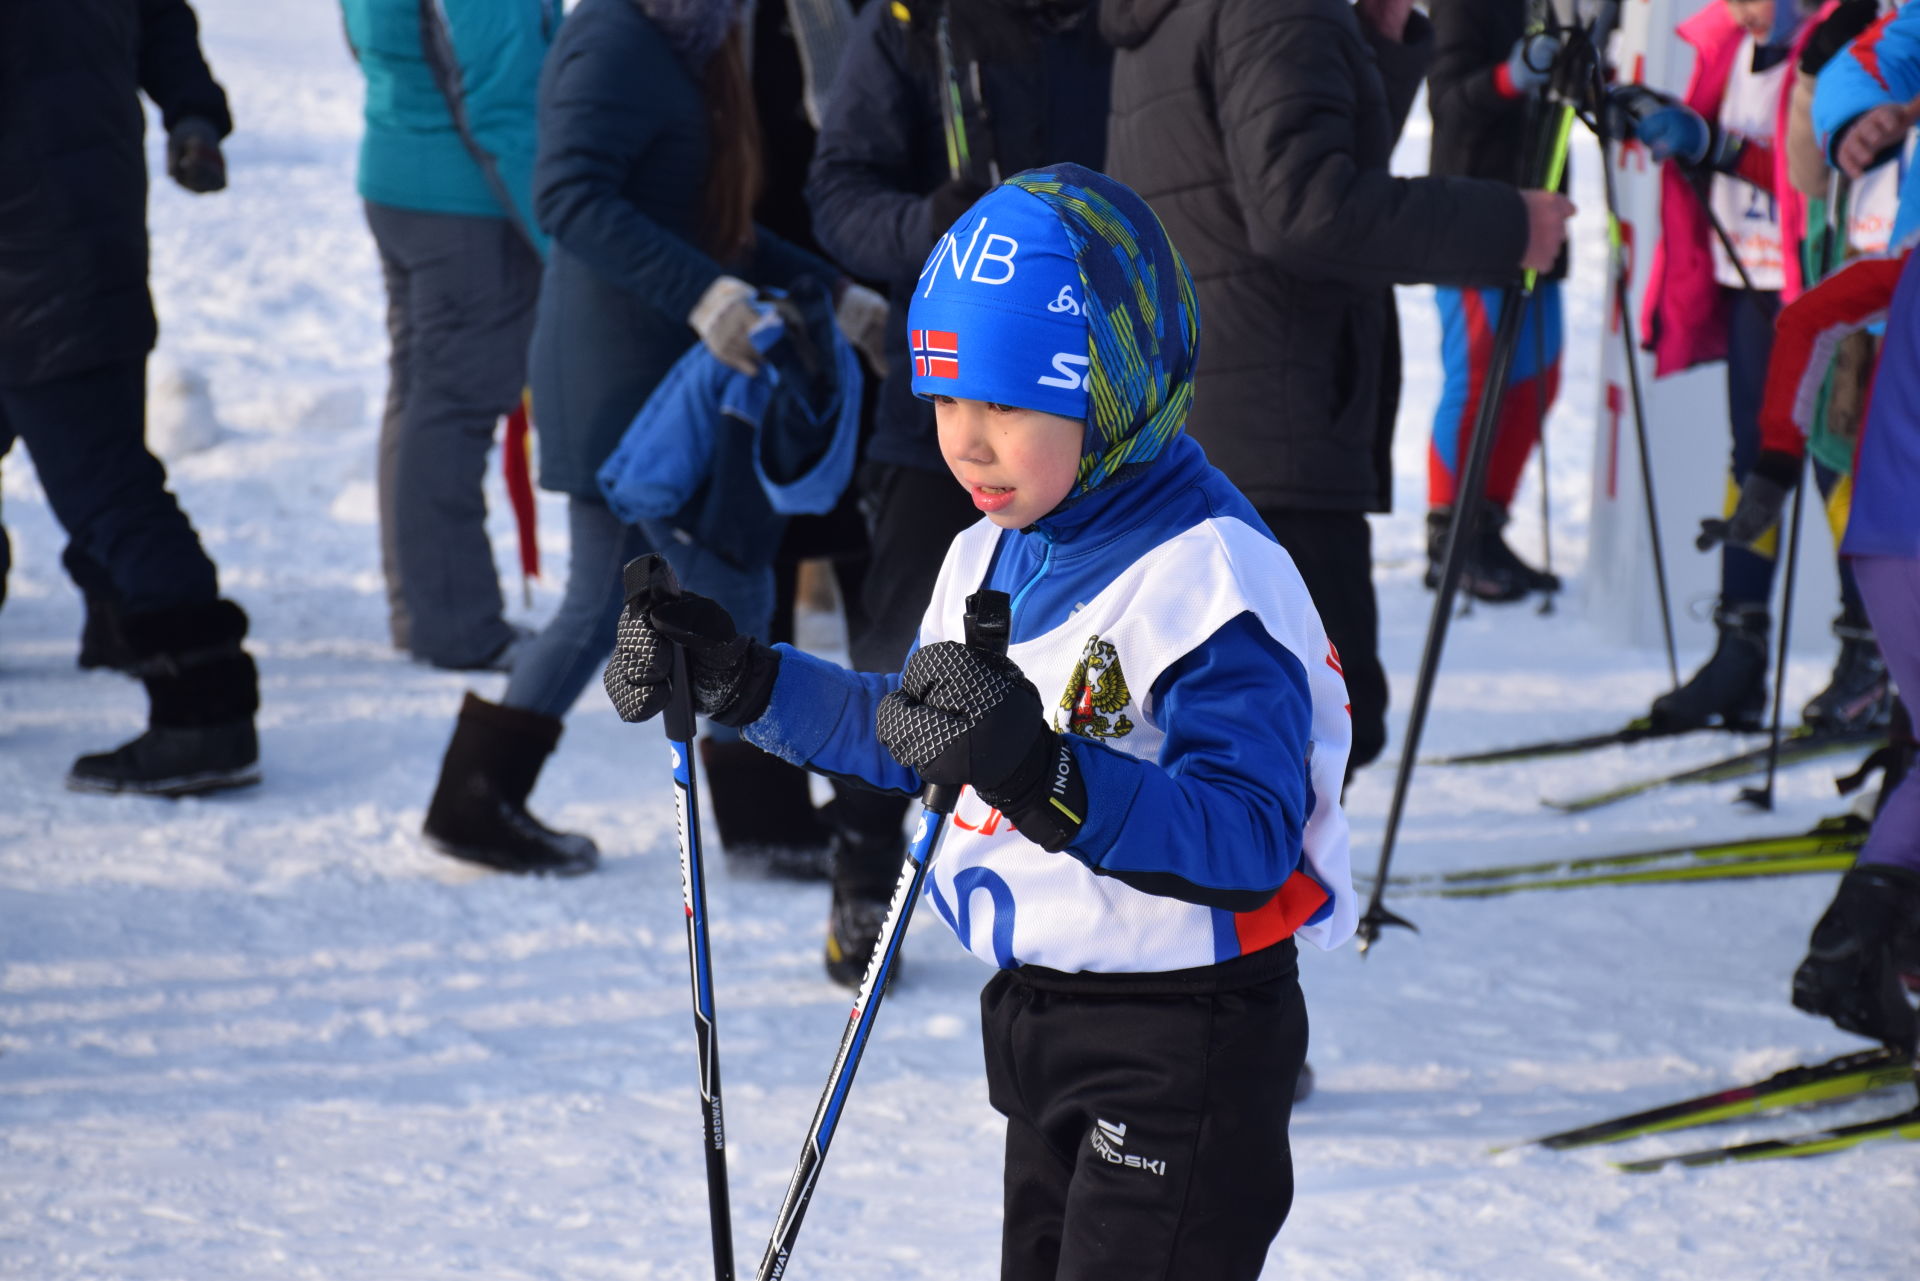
{"x":1620,"y":269}
{"x":1762,"y":797}
{"x":1546,"y":472}
{"x":988,"y":622}
{"x":1514,"y":300}
{"x":677,"y":719}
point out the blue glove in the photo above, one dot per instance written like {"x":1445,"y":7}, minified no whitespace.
{"x":1675,"y":132}
{"x":1530,"y":65}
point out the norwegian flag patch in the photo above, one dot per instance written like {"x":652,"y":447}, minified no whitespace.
{"x":936,"y":353}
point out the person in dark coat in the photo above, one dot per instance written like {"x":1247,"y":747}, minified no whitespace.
{"x":76,"y":324}
{"x":883,"y":190}
{"x":1260,"y":131}
{"x":645,"y":178}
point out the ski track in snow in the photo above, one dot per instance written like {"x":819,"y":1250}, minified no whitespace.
{"x":269,"y":1034}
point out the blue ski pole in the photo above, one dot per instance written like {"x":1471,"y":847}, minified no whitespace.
{"x":988,"y":621}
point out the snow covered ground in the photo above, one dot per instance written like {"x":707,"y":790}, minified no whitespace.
{"x":268,"y":1034}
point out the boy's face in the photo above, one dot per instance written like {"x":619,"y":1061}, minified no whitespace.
{"x":1017,"y":464}
{"x":1755,"y":16}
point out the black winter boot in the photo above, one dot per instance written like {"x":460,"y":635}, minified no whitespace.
{"x":1860,"y":695}
{"x":869,"y":848}
{"x":479,"y":807}
{"x":202,"y":691}
{"x":1496,"y":584}
{"x":1500,"y":560}
{"x":765,"y":812}
{"x":1730,"y":691}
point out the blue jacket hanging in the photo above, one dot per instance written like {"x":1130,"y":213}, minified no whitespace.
{"x":723,"y":458}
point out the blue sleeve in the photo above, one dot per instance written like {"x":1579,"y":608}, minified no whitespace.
{"x":598,"y":120}
{"x":821,"y":717}
{"x":494,"y":54}
{"x":1218,"y":820}
{"x":1881,"y":66}
{"x":863,"y":183}
{"x":779,"y":263}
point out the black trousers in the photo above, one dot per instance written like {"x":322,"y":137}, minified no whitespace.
{"x":913,"y":516}
{"x":1146,"y":1135}
{"x":1334,"y":553}
{"x":87,"y":434}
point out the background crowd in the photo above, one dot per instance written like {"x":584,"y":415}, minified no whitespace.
{"x":570,"y":204}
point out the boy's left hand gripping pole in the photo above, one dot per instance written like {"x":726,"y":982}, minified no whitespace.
{"x":989,"y":619}
{"x":678,"y":720}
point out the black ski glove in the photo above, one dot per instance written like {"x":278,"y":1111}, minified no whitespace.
{"x":948,"y":202}
{"x":1849,"y":975}
{"x":193,"y":156}
{"x":732,"y":674}
{"x":1848,"y":20}
{"x":968,"y":716}
{"x":1763,"y":496}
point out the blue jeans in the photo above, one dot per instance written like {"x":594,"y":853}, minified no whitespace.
{"x":556,"y":665}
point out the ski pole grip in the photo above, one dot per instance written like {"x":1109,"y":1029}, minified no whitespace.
{"x":989,"y":621}
{"x":649,"y":580}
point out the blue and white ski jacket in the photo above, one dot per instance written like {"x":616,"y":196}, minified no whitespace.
{"x":1882,"y":65}
{"x":1182,"y":653}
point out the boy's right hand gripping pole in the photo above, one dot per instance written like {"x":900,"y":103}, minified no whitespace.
{"x":989,"y":619}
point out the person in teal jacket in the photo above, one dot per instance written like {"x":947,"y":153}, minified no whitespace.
{"x":446,"y":173}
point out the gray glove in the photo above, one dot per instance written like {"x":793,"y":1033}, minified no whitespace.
{"x":725,"y":318}
{"x":862,"y":316}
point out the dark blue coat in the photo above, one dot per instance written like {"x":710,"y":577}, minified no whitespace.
{"x":882,"y":151}
{"x":617,"y":183}
{"x":73,"y":173}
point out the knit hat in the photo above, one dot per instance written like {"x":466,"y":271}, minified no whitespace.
{"x":1059,"y":291}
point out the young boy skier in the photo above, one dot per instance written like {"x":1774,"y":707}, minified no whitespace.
{"x":1138,"y":844}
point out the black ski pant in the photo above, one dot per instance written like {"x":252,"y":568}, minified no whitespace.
{"x":86,"y":432}
{"x":913,"y":516}
{"x":1146,"y":1135}
{"x":1333,"y":550}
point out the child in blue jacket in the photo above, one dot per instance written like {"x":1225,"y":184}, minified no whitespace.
{"x":1152,"y":772}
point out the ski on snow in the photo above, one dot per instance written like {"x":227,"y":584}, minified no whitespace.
{"x":1632,"y":732}
{"x":1796,"y":748}
{"x":1903,"y":1125}
{"x":1841,"y":834}
{"x":1850,"y":1075}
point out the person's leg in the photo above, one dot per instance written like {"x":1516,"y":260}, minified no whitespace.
{"x":1731,"y":688}
{"x":1746,"y":576}
{"x":1036,"y":1177}
{"x":399,"y":374}
{"x":551,"y":669}
{"x":86,"y":433}
{"x":1890,"y":586}
{"x":1334,"y":553}
{"x":1173,"y":1113}
{"x":472,"y":288}
{"x":479,"y":808}
{"x":1859,"y":695}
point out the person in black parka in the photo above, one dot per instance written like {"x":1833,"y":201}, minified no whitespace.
{"x":882,"y":192}
{"x":1260,"y":131}
{"x":76,"y":324}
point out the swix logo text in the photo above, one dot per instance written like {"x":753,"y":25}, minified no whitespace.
{"x":987,"y":258}
{"x":1071,"y":371}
